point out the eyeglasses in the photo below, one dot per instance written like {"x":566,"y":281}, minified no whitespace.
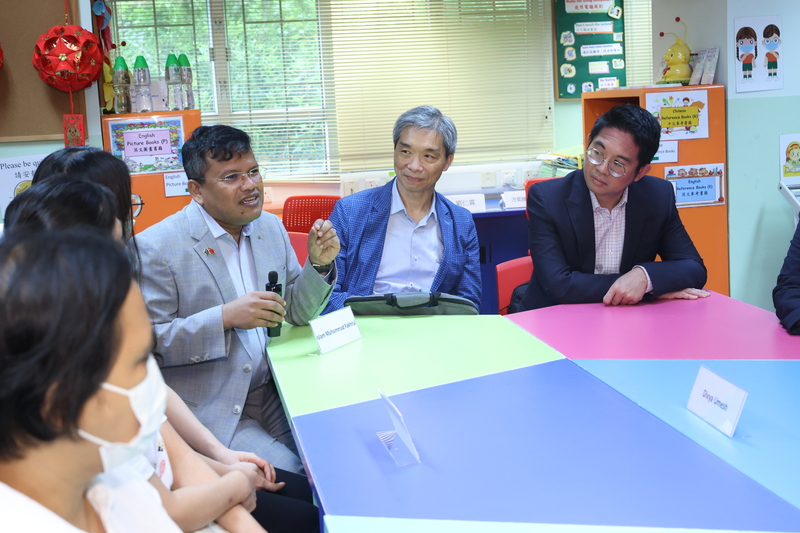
{"x":136,"y":205}
{"x":233,"y":179}
{"x":615,"y":168}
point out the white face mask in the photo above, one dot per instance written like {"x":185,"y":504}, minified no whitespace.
{"x":148,"y":401}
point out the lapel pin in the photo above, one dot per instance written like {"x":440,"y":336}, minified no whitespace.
{"x":208,"y":251}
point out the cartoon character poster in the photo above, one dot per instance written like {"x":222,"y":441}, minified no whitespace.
{"x":759,"y":60}
{"x":148,"y":145}
{"x":790,"y":158}
{"x":683,"y":114}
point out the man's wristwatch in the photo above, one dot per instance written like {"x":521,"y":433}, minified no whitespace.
{"x":322,"y":269}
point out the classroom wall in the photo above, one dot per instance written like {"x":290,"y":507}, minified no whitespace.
{"x":760,"y":220}
{"x":706,"y":28}
{"x":568,"y":124}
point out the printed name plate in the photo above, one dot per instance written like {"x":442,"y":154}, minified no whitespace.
{"x":335,"y":329}
{"x":514,"y":199}
{"x":475,"y":203}
{"x":398,"y":441}
{"x":717,"y":401}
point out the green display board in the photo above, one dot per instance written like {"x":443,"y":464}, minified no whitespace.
{"x":588,"y":45}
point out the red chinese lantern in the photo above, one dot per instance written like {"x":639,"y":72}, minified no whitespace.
{"x":68,"y":57}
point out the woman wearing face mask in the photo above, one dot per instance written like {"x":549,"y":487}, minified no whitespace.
{"x":193,"y":494}
{"x":80,"y":393}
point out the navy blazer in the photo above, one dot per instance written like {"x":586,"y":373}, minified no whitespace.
{"x":361,"y":220}
{"x":561,"y":234}
{"x":786,"y":295}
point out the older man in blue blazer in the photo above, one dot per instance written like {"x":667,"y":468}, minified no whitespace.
{"x":404,"y":236}
{"x":595,"y":234}
{"x":204,"y":271}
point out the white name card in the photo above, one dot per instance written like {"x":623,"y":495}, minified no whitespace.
{"x":475,"y":203}
{"x":514,"y":199}
{"x":335,"y":329}
{"x":717,"y":401}
{"x":176,"y":184}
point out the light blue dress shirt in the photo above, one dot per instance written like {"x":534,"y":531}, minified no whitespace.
{"x":242,"y":268}
{"x":412,"y":251}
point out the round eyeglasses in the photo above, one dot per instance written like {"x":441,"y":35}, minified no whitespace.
{"x":234,"y":179}
{"x":136,"y":205}
{"x":615,"y":168}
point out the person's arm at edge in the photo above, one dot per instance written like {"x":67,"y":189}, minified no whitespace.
{"x":339,"y":293}
{"x":200,"y":496}
{"x":256,"y":476}
{"x":681,"y":266}
{"x":306,"y":292}
{"x":203,"y":441}
{"x":786,"y":294}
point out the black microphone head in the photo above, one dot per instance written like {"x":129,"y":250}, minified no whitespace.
{"x":273,"y":277}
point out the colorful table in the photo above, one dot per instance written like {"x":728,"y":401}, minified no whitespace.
{"x":717,"y":327}
{"x":547,"y":444}
{"x":515,"y":438}
{"x":397,"y":354}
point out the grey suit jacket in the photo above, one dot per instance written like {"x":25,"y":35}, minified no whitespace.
{"x":185,"y":282}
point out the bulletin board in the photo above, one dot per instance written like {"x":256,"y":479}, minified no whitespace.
{"x":30,"y":109}
{"x":589,"y":47}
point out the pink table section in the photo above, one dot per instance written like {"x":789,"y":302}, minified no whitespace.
{"x":717,"y":327}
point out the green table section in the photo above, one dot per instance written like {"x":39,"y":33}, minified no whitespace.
{"x":360,"y":524}
{"x":397,"y":354}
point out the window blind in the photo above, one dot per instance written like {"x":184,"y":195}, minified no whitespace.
{"x":318,"y":84}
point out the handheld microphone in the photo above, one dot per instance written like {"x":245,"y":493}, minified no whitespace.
{"x":277,"y":288}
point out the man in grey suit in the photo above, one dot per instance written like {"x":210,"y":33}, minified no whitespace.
{"x":202,"y":271}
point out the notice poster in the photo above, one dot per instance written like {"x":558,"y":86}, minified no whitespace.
{"x":589,"y":46}
{"x":683,"y":114}
{"x":16,"y":174}
{"x":148,"y":145}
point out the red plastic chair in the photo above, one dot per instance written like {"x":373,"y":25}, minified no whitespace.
{"x":510,"y":275}
{"x":300,"y":244}
{"x":300,"y":212}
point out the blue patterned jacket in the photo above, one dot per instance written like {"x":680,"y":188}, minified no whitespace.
{"x":361,"y":220}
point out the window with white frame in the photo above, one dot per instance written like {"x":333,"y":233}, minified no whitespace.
{"x":318,"y":84}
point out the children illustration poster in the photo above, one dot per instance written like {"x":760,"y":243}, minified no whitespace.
{"x":148,"y":145}
{"x":758,"y":52}
{"x":683,"y":115}
{"x":790,"y":159}
{"x":700,"y":184}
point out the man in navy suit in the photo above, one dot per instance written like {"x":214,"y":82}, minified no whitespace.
{"x":404,"y":236}
{"x":786,"y":295}
{"x":595,"y":234}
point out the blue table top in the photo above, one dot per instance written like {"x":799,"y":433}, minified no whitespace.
{"x":766,"y":444}
{"x":368,"y":524}
{"x":547,"y":444}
